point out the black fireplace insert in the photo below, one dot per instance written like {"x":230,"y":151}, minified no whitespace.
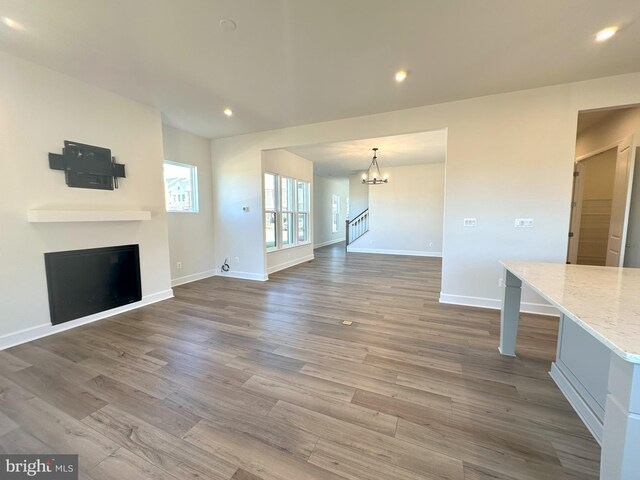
{"x":84,"y":282}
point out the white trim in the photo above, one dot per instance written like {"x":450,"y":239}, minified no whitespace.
{"x":585,"y":413}
{"x":290,"y":263}
{"x":192,"y":278}
{"x":288,"y":247}
{"x":496,"y":304}
{"x":385,"y":251}
{"x":261,"y":277}
{"x":599,"y":151}
{"x":46,"y":329}
{"x":328,"y":242}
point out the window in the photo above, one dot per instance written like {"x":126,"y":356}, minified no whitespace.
{"x":270,"y":210}
{"x":335,"y":213}
{"x":270,"y":226}
{"x":181,"y":187}
{"x":303,"y":211}
{"x":288,"y":205}
{"x":287,"y":209}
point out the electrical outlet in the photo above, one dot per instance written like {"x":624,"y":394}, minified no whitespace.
{"x":178,"y":265}
{"x":470,"y":222}
{"x":524,"y":223}
{"x":500,"y":282}
{"x":237,"y":259}
{"x":431,"y":244}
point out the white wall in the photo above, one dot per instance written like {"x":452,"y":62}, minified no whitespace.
{"x":39,"y":109}
{"x":191,"y":234}
{"x":323,"y":190}
{"x":406,"y":214}
{"x":613,"y":128}
{"x":358,"y":196}
{"x":508,"y":156}
{"x":291,"y":165}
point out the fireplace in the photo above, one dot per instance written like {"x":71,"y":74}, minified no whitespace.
{"x":84,"y":282}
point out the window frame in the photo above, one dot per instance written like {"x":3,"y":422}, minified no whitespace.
{"x":275,"y":211}
{"x":293,"y":210}
{"x":193,"y":177}
{"x":306,"y":211}
{"x":335,"y":213}
{"x":290,"y":212}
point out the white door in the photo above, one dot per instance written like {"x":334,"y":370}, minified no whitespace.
{"x":625,"y":162}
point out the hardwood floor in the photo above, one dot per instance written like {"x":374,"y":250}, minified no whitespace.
{"x":261,"y":381}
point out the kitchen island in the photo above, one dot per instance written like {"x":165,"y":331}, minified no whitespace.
{"x":597,"y":365}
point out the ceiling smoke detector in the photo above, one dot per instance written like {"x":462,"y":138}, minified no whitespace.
{"x":227,"y":25}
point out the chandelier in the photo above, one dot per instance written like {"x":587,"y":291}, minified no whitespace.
{"x":373,"y":175}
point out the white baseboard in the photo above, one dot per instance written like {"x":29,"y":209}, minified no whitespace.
{"x":496,"y":304}
{"x":290,"y":263}
{"x":260,"y":277}
{"x":46,"y":329}
{"x":585,"y":413}
{"x":385,"y":251}
{"x":328,"y":242}
{"x":192,"y":278}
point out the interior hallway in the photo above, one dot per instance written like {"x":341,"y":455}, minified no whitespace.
{"x":251,"y":380}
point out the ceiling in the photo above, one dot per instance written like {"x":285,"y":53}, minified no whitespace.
{"x":342,"y":159}
{"x":292,"y":62}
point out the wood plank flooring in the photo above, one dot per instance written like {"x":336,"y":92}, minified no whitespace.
{"x":246,"y":380}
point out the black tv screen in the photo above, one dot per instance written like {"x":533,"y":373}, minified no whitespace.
{"x":84,"y":282}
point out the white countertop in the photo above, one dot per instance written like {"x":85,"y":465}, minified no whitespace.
{"x":604,"y":300}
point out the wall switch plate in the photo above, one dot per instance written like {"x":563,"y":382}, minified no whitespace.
{"x":524,"y":223}
{"x":470,"y":222}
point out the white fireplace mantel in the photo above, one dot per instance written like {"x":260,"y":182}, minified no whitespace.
{"x":64,"y":216}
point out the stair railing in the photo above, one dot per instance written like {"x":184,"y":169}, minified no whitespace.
{"x":357,"y":227}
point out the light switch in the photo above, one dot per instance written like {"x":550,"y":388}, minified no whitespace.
{"x":470,"y":222}
{"x":524,"y":223}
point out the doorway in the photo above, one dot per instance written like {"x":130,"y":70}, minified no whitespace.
{"x":593,"y":198}
{"x":605,"y":208}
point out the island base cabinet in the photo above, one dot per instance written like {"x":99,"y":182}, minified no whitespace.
{"x":583,"y":379}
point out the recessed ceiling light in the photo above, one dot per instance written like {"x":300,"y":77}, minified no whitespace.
{"x":228,"y":112}
{"x":606,"y":34}
{"x":401,"y":75}
{"x":11,"y":23}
